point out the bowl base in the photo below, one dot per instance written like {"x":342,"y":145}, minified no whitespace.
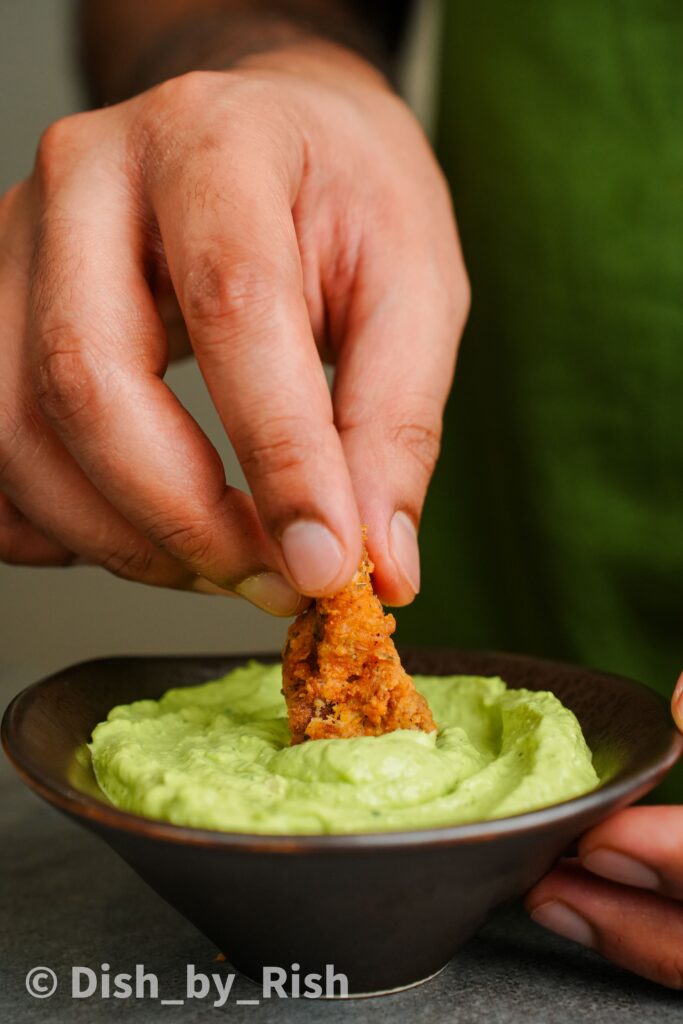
{"x":358,"y":995}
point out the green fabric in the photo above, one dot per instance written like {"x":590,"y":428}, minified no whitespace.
{"x":555,"y":522}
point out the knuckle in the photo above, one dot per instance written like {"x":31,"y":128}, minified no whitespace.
{"x":164,"y":114}
{"x":422,"y":441}
{"x":129,"y":564}
{"x":62,"y":381}
{"x":219,"y":288}
{"x":53,"y":138}
{"x":281,"y":450}
{"x":55,"y":144}
{"x":190,"y":544}
{"x":64,"y":143}
{"x":189,"y":88}
{"x":193,"y":92}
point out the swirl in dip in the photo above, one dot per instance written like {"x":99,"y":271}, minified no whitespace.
{"x":218,"y":756}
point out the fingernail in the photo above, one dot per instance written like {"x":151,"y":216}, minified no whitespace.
{"x":404,"y":549}
{"x":271,"y":592}
{"x":313,"y":555}
{"x":559,"y":918}
{"x":200,"y":585}
{"x":621,"y":868}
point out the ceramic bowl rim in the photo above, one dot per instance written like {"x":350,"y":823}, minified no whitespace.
{"x":97,"y":813}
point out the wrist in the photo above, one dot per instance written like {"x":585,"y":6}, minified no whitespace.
{"x":318,"y":47}
{"x":316,"y":59}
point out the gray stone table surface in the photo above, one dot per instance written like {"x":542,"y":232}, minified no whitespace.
{"x":69,"y":900}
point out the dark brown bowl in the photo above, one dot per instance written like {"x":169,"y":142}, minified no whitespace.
{"x":386,"y":909}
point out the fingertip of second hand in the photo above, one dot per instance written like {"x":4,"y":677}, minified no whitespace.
{"x":557,"y":916}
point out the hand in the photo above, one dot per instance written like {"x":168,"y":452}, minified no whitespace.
{"x":286,"y":208}
{"x":623,"y":896}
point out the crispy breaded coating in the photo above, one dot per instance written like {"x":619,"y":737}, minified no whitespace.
{"x":342,"y":675}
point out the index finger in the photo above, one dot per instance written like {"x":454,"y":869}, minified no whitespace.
{"x":236,"y":269}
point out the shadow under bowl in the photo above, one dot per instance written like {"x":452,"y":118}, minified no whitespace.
{"x":387,"y":909}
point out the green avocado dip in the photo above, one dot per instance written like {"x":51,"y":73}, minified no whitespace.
{"x":217,"y":756}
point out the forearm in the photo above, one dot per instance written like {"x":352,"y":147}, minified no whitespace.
{"x":128,"y":46}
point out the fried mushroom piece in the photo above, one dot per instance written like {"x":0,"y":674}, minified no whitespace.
{"x":342,"y":675}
